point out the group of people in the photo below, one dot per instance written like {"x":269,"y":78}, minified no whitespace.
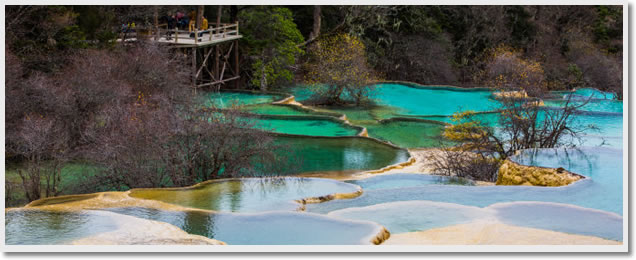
{"x":126,"y":28}
{"x":182,"y":21}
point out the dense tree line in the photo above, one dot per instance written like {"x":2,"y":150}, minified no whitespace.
{"x":577,"y":46}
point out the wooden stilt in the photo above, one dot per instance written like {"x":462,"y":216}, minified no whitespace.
{"x":236,"y":63}
{"x":194,"y":69}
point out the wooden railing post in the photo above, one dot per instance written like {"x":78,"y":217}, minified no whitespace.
{"x":196,"y":36}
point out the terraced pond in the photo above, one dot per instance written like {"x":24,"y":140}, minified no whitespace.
{"x":265,"y":211}
{"x":340,"y":154}
{"x":270,"y":228}
{"x":305,"y":125}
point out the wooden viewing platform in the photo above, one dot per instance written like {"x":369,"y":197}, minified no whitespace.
{"x":183,"y":38}
{"x":206,"y":71}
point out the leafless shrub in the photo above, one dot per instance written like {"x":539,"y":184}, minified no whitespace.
{"x":42,"y":142}
{"x":128,"y":112}
{"x":465,"y":164}
{"x":522,"y":124}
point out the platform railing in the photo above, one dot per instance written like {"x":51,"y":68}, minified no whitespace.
{"x":200,"y":36}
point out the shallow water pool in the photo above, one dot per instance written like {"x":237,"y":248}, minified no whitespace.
{"x":340,"y":153}
{"x":404,"y":180}
{"x":273,"y":109}
{"x":229,"y":99}
{"x":310,"y":126}
{"x":602,"y":190}
{"x":270,"y":228}
{"x":249,"y":194}
{"x":409,"y":216}
{"x":562,"y":218}
{"x":36,"y":227}
{"x":434,"y":100}
{"x":408,"y":133}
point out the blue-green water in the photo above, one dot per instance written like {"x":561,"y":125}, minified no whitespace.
{"x":272,"y":109}
{"x":562,"y":218}
{"x":600,"y":194}
{"x":424,"y":100}
{"x":602,"y":190}
{"x":400,"y":202}
{"x":407,"y":133}
{"x":230,"y":99}
{"x":409,"y":216}
{"x":595,"y":105}
{"x":340,"y":154}
{"x":592,"y":93}
{"x":310,"y":126}
{"x":404,"y":180}
{"x":434,"y":100}
{"x":270,"y":228}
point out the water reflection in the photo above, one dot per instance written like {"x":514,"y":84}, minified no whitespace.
{"x":36,"y":227}
{"x":249,"y":194}
{"x":403,"y":180}
{"x":341,"y":154}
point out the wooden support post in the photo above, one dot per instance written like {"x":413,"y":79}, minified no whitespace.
{"x":194,"y":69}
{"x":216,"y":61}
{"x":236,"y":63}
{"x":205,"y":60}
{"x":196,"y":36}
{"x":219,"y":12}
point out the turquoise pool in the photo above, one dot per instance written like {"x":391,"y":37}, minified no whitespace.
{"x":408,"y":133}
{"x":229,"y":99}
{"x":434,"y":100}
{"x":423,"y":100}
{"x":310,"y":126}
{"x":315,"y":154}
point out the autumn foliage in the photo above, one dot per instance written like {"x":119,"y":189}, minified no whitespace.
{"x":338,"y":72}
{"x":507,"y":70}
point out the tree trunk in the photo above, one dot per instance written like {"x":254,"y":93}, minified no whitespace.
{"x":316,"y":28}
{"x":263,"y":78}
{"x":219,"y":12}
{"x":156,"y":18}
